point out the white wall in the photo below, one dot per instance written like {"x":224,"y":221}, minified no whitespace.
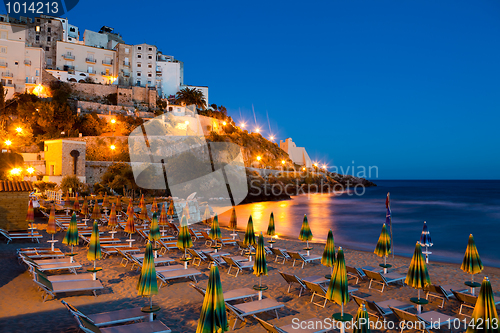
{"x":144,"y":65}
{"x":170,"y":79}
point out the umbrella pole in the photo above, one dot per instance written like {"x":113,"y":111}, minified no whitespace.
{"x":342,"y":329}
{"x":95,"y":274}
{"x":472,"y":288}
{"x":52,"y":245}
{"x":185,"y":260}
{"x":71,"y":258}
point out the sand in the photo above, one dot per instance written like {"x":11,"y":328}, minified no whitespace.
{"x":22,"y":310}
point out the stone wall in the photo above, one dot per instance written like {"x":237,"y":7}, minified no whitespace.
{"x":89,"y":107}
{"x":94,"y":171}
{"x":13,"y":209}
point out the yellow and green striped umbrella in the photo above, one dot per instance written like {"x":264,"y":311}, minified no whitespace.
{"x":305,"y":232}
{"x":271,"y":230}
{"x":154,"y":229}
{"x":215,"y":230}
{"x":184,"y":240}
{"x":154,"y":206}
{"x":147,"y":284}
{"x":328,"y":258}
{"x":96,"y":213}
{"x":207,"y":217}
{"x":85,"y":207}
{"x":113,"y":220}
{"x":71,"y":237}
{"x":170,"y":211}
{"x":418,"y":275}
{"x":163,"y":216}
{"x":338,"y":290}
{"x":76,"y":204}
{"x":105,"y":201}
{"x":233,"y":221}
{"x":485,"y":313}
{"x":362,"y":321}
{"x":260,"y":264}
{"x":130,"y":226}
{"x":51,"y":224}
{"x":94,"y":252}
{"x":213,"y":318}
{"x":383,"y":248}
{"x":249,"y":233}
{"x":472,"y":263}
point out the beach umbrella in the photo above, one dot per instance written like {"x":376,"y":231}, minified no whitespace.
{"x":30,"y":215}
{"x":96,"y":212}
{"x":119,"y":204}
{"x":338,"y":290}
{"x":66,"y":196}
{"x":98,"y":197}
{"x":328,"y":258}
{"x":485,"y":313}
{"x":170,"y":211}
{"x":233,"y":223}
{"x":112,"y":220}
{"x":383,"y":248}
{"x":76,"y":203}
{"x":213,"y":316}
{"x":184,"y":240}
{"x":105,"y":201}
{"x":130,"y":226}
{"x":163,"y":219}
{"x":143,"y":215}
{"x":271,"y":230}
{"x":71,"y":237}
{"x":185,"y":212}
{"x":147,"y":285}
{"x":249,"y":233}
{"x":207,"y":217}
{"x":154,"y":206}
{"x":215,"y":233}
{"x":362,"y":321}
{"x":142,"y":203}
{"x":154,"y":232}
{"x":418,"y":276}
{"x":51,"y":225}
{"x":94,"y":252}
{"x":425,"y":240}
{"x":85,"y":208}
{"x":305,"y":233}
{"x":472,"y":263}
{"x":260,"y":264}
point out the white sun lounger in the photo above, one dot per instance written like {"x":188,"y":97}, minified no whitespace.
{"x":64,"y":277}
{"x":291,"y":328}
{"x":297,"y":256}
{"x":52,"y":289}
{"x":231,"y":295}
{"x":251,"y":308}
{"x":384,"y":279}
{"x":166,"y":276}
{"x":111,"y":317}
{"x":144,"y":327}
{"x":52,"y":267}
{"x":240,"y":266}
{"x":27,"y":235}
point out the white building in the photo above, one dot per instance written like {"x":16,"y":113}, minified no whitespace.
{"x":20,"y":65}
{"x":169,"y":75}
{"x":144,"y":65}
{"x":298,"y":155}
{"x":70,"y":32}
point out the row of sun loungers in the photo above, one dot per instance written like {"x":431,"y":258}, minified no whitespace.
{"x":10,"y":236}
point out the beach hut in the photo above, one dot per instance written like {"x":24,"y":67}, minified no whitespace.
{"x":14,"y":201}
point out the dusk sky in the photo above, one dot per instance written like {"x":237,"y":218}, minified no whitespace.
{"x":411,"y":87}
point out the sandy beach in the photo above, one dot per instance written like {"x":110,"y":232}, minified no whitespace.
{"x":22,"y":310}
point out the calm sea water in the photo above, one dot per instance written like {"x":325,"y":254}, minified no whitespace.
{"x":452,"y":209}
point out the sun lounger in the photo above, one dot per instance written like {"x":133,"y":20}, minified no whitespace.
{"x":212,"y":258}
{"x":143,"y":327}
{"x":197,"y":257}
{"x":441,"y":292}
{"x":158,"y":261}
{"x":64,"y":277}
{"x":358,"y":274}
{"x":169,"y":268}
{"x":223,"y":241}
{"x":296,"y":256}
{"x":102,"y":240}
{"x":381,"y":309}
{"x":242,"y":247}
{"x":291,"y":279}
{"x":383,"y":279}
{"x":280,"y":254}
{"x":28,"y":235}
{"x":166,"y":246}
{"x":166,"y":276}
{"x":469,"y":301}
{"x":239,"y":266}
{"x":231,"y":295}
{"x":109,"y":318}
{"x":320,"y":291}
{"x":425,"y":321}
{"x":291,"y":328}
{"x":52,"y":289}
{"x":32,"y":264}
{"x":243,"y":310}
{"x":40,"y":253}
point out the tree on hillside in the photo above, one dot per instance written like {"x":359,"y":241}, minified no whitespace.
{"x":192,"y":96}
{"x":55,"y":118}
{"x":3,"y":114}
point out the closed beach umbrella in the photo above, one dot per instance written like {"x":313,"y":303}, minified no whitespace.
{"x":185,"y":212}
{"x":260,"y":264}
{"x":215,"y":230}
{"x":305,"y":233}
{"x":207,"y":217}
{"x":249,"y":233}
{"x":184,"y":240}
{"x":71,"y":237}
{"x":94,"y":252}
{"x":163,"y":220}
{"x":271,"y":231}
{"x":51,"y":225}
{"x":105,"y":201}
{"x":142,"y":203}
{"x":113,"y":220}
{"x":143,"y":215}
{"x":118,"y":204}
{"x":154,"y":229}
{"x":425,"y":240}
{"x":154,"y":206}
{"x":213,"y":316}
{"x":66,"y":196}
{"x":170,"y":211}
{"x":96,"y":213}
{"x":76,"y":204}
{"x":130,"y":226}
{"x":472,"y":263}
{"x":85,"y":208}
{"x":338,"y":291}
{"x":383,"y":248}
{"x":485,"y":312}
{"x":418,"y":276}
{"x":147,"y":284}
{"x":362,"y":321}
{"x":328,"y":258}
{"x":233,"y":221}
{"x":30,"y":215}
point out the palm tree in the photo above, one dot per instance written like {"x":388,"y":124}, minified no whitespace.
{"x":192,"y":96}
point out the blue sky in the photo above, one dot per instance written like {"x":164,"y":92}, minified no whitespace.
{"x":411,"y":87}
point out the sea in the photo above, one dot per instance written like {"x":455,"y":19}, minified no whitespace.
{"x":453,"y":209}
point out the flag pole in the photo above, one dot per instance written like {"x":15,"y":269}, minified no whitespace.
{"x":390,"y":218}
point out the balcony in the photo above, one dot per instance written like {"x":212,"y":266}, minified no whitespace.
{"x":126,"y":63}
{"x":107,"y":62}
{"x":3,"y":64}
{"x":92,"y":72}
{"x":68,"y":68}
{"x":106,"y":74}
{"x":126,"y":74}
{"x":27,"y":62}
{"x":90,"y":60}
{"x":68,"y":57}
{"x":7,"y":74}
{"x":7,"y":84}
{"x":158,"y":73}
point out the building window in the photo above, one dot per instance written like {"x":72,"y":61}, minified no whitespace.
{"x":49,"y":61}
{"x":138,"y":82}
{"x":47,"y":49}
{"x":3,"y":49}
{"x":139,"y":48}
{"x":139,"y":64}
{"x":50,"y":21}
{"x":139,"y":56}
{"x":49,"y":29}
{"x":90,"y":69}
{"x":149,"y":75}
{"x":4,"y":35}
{"x":48,"y":38}
{"x":126,"y":50}
{"x":138,"y":73}
{"x":37,"y":72}
{"x":150,"y":49}
{"x":149,"y":83}
{"x":16,"y":63}
{"x":150,"y":66}
{"x":37,"y":29}
{"x":37,"y":38}
{"x":150,"y":57}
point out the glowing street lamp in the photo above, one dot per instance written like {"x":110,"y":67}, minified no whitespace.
{"x":8,"y":143}
{"x":30,"y":170}
{"x":112,"y":147}
{"x":257,"y":130}
{"x":15,"y":171}
{"x":259,"y":158}
{"x":304,"y":169}
{"x":283,"y":162}
{"x":113,"y":121}
{"x":224,"y":123}
{"x":242,"y":125}
{"x":19,"y":129}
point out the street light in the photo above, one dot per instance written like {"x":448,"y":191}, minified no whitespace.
{"x":113,"y":121}
{"x":242,"y":125}
{"x":257,"y":130}
{"x":30,"y":170}
{"x":272,"y":138}
{"x":112,"y":147}
{"x":8,"y":143}
{"x":224,"y":123}
{"x":15,"y":171}
{"x":19,"y":129}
